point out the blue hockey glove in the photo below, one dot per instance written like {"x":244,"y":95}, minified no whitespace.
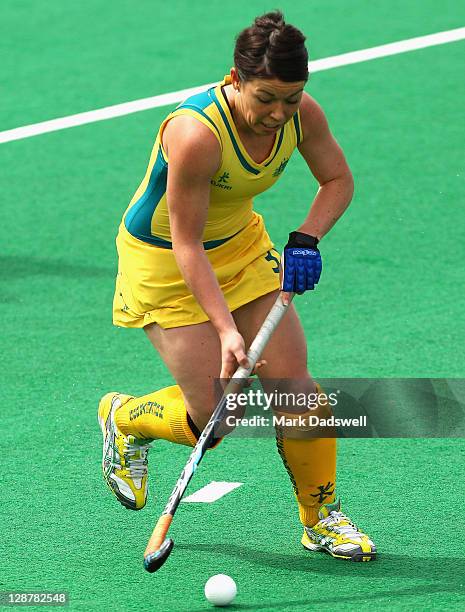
{"x":301,"y":262}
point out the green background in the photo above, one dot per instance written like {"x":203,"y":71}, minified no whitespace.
{"x":390,"y":304}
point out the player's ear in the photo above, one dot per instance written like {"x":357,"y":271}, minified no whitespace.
{"x":235,"y":80}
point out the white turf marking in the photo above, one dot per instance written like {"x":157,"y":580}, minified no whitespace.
{"x":118,"y":110}
{"x":213,"y":491}
{"x":411,"y":44}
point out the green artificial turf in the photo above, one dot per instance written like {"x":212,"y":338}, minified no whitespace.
{"x":389,"y":304}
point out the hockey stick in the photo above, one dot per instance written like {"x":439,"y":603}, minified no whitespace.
{"x":159,"y":546}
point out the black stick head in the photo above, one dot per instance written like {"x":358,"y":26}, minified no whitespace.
{"x":154,"y":561}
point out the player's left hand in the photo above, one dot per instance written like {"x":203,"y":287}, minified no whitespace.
{"x":301,"y":263}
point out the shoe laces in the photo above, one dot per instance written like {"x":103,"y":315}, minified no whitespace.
{"x":135,"y":457}
{"x":332,"y":523}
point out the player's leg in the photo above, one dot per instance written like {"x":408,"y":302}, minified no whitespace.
{"x":193,"y":356}
{"x":286,"y":351}
{"x":309,"y":460}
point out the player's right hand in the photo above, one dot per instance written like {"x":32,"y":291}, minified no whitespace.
{"x":232,"y":353}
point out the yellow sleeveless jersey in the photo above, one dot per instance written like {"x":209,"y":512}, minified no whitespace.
{"x":233,"y":187}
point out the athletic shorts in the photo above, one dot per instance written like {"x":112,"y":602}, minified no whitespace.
{"x":150,"y":288}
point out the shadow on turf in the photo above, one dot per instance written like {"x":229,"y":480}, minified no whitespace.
{"x":314,"y":602}
{"x":445,"y":575}
{"x":23,"y":266}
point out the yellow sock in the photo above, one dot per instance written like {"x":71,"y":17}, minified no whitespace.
{"x":311,"y":465}
{"x":161,"y":414}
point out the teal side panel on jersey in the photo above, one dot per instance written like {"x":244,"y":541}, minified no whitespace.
{"x":138,"y":220}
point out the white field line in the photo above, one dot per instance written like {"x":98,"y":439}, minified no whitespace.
{"x":213,"y":491}
{"x":118,"y":110}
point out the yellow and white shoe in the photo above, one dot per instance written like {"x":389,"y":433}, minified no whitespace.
{"x":337,"y":535}
{"x":124,"y":461}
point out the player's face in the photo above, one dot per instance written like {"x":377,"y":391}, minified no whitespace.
{"x":267,"y":104}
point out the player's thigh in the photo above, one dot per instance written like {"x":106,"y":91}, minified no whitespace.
{"x":192,"y":354}
{"x":286,"y":351}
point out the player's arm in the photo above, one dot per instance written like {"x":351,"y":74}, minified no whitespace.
{"x":194,"y":156}
{"x":301,"y":259}
{"x":328,"y":165}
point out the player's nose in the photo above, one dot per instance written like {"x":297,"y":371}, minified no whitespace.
{"x":278,"y":114}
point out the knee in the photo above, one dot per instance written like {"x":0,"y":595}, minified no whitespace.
{"x":296,"y":395}
{"x":299,"y":414}
{"x":200,"y":404}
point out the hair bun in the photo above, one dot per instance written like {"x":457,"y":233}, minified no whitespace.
{"x":271,"y":48}
{"x":270,"y":21}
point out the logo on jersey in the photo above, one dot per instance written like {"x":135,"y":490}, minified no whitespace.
{"x":222,"y":181}
{"x":280,"y":169}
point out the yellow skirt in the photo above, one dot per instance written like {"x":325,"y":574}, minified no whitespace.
{"x":150,"y":288}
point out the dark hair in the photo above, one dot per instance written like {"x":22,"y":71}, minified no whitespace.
{"x":271,"y":48}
